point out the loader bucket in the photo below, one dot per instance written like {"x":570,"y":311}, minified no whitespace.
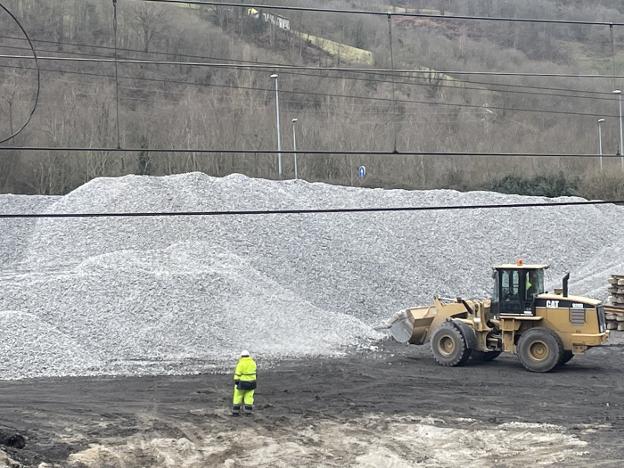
{"x":412,"y":325}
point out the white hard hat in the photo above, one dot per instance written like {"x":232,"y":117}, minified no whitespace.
{"x":245,"y":353}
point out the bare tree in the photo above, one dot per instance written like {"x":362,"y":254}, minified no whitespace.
{"x":10,"y":90}
{"x":150,"y":22}
{"x":10,"y":95}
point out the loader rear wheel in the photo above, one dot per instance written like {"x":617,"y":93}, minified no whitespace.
{"x":449,"y":346}
{"x":539,"y":350}
{"x":484,"y":356}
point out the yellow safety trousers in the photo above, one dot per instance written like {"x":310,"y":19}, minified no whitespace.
{"x":245,"y":397}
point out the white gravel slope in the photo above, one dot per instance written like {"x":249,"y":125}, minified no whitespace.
{"x":16,"y":232}
{"x":177,"y":294}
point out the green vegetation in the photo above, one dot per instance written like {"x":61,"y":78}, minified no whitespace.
{"x":545,"y":186}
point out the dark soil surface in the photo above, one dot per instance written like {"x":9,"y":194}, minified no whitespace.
{"x":58,"y":417}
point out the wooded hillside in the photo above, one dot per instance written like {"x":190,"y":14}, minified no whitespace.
{"x":203,"y":107}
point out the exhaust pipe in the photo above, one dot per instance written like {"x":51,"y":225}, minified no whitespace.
{"x":565,"y":284}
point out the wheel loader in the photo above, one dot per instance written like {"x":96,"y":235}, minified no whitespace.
{"x":545,"y":330}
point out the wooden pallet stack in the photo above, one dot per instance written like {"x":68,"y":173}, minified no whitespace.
{"x":614,"y":308}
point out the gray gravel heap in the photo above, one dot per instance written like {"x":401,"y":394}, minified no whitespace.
{"x":15,"y":233}
{"x":171,"y":295}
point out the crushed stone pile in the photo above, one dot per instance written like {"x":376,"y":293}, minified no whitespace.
{"x":16,"y":232}
{"x":172,"y":295}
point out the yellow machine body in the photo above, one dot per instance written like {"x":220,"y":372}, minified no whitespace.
{"x":562,"y":324}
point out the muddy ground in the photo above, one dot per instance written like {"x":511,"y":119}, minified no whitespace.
{"x":389,"y":407}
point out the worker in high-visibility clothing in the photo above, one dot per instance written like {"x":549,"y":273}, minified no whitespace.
{"x":244,"y":384}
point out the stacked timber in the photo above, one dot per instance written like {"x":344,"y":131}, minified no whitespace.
{"x":614,"y":308}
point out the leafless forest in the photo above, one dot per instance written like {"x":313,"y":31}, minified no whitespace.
{"x":223,"y":108}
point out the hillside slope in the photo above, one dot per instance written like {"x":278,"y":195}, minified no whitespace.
{"x":166,"y":106}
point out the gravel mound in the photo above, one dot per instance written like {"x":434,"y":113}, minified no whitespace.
{"x":13,"y":245}
{"x":31,"y":348}
{"x":166,"y":295}
{"x":165,"y":310}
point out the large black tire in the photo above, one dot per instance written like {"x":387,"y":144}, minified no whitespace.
{"x":449,"y":346}
{"x":565,"y":357}
{"x":484,"y":356}
{"x":539,"y":350}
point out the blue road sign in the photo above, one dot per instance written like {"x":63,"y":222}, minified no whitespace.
{"x":362,"y":172}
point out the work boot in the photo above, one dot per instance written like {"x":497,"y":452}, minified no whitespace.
{"x":248,"y":410}
{"x":236,"y":410}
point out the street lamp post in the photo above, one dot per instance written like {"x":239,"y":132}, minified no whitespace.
{"x":294,"y":122}
{"x":600,"y":122}
{"x":277,"y":120}
{"x":621,"y":152}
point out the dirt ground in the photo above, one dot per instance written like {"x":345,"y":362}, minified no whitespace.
{"x":389,"y":407}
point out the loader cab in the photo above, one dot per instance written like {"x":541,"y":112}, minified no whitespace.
{"x":515,"y":288}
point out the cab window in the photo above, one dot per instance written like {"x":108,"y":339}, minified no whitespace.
{"x":510,"y":285}
{"x":535,"y":283}
{"x":511,"y":300}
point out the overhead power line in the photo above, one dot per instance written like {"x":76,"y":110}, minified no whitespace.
{"x":339,"y":96}
{"x":487,"y":86}
{"x":410,"y":83}
{"x":373,"y":71}
{"x":71,"y":149}
{"x":422,"y":82}
{"x":169,"y":214}
{"x":391,"y":13}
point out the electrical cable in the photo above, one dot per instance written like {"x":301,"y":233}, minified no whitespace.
{"x":170,"y":214}
{"x":372,"y":71}
{"x":73,"y":149}
{"x":410,"y":83}
{"x":36,"y":100}
{"x":383,"y":13}
{"x":205,"y":57}
{"x":348,"y":96}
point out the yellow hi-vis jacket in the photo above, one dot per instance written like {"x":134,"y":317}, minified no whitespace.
{"x":245,"y":370}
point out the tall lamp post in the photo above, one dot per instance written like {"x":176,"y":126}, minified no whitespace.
{"x":621,"y":152}
{"x":600,"y":122}
{"x":277,"y":120}
{"x":294,"y":125}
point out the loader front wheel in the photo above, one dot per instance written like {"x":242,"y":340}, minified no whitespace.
{"x":539,"y":350}
{"x":449,"y":346}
